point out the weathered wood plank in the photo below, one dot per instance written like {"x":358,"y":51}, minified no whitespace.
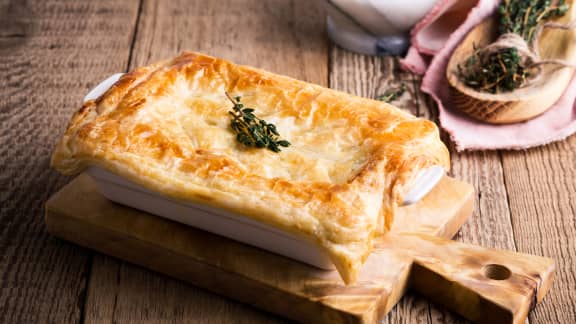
{"x":370,"y":76}
{"x":541,"y":186}
{"x":124,"y":293}
{"x":51,"y":52}
{"x":490,"y":225}
{"x":281,"y":36}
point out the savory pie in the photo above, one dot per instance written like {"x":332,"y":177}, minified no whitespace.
{"x":167,"y":127}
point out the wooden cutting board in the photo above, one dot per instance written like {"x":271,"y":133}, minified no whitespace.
{"x":484,"y":285}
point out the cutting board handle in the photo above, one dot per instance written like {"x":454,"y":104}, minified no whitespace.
{"x":482,"y":284}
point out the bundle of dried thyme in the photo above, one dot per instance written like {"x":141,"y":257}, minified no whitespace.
{"x":511,"y":61}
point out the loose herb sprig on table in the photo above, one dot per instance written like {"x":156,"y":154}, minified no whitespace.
{"x":253,"y":131}
{"x":510,"y":62}
{"x":392,"y":94}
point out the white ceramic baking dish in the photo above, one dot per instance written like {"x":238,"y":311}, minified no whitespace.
{"x":224,"y":223}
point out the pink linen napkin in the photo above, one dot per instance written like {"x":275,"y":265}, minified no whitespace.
{"x":433,"y":40}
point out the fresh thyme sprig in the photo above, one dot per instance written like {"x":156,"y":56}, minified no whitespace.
{"x":499,"y":67}
{"x":253,"y":131}
{"x":392,"y":94}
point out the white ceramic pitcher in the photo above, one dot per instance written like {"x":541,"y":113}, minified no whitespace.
{"x":375,"y":27}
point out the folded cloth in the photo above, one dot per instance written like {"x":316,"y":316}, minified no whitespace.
{"x":433,"y":41}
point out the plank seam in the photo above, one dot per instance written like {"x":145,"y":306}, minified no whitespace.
{"x":133,"y":40}
{"x":501,"y":159}
{"x":329,"y":62}
{"x":118,"y":279}
{"x":416,"y":96}
{"x":83,"y":297}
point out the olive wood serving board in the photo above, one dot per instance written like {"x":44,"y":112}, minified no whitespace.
{"x":483,"y":285}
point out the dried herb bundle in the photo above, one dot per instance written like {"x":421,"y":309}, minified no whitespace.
{"x":509,"y":62}
{"x":253,"y":131}
{"x":392,"y":94}
{"x":497,"y":72}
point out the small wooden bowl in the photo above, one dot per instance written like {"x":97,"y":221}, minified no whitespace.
{"x":521,"y":104}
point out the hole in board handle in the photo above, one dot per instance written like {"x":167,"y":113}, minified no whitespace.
{"x":497,"y":272}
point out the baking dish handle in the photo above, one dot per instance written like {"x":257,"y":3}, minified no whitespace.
{"x":102,"y":87}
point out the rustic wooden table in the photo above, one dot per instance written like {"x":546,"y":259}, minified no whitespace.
{"x":52,"y":52}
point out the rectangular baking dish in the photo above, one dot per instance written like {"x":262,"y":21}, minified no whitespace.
{"x":210,"y":219}
{"x":224,"y":223}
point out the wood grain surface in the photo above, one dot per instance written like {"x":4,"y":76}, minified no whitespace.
{"x":541,"y":188}
{"x":52,"y":52}
{"x":80,"y":214}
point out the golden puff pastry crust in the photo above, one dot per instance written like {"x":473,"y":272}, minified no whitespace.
{"x":166,"y":127}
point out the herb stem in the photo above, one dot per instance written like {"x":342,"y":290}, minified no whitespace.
{"x":393,"y":94}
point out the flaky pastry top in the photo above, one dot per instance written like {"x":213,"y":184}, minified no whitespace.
{"x":166,"y":127}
